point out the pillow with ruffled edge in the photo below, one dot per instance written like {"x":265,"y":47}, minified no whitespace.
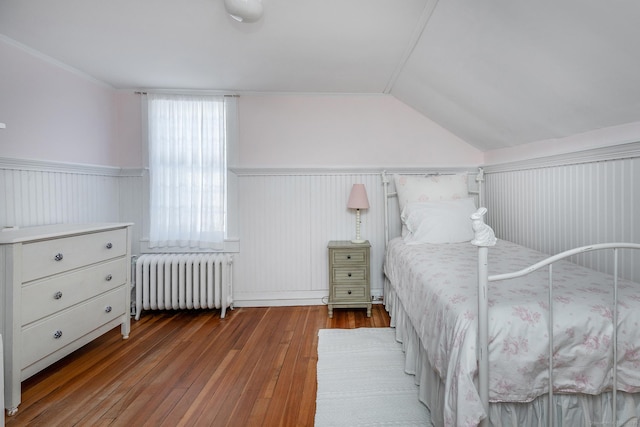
{"x":446,"y":221}
{"x":419,"y":189}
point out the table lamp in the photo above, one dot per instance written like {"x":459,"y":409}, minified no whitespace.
{"x":358,"y":200}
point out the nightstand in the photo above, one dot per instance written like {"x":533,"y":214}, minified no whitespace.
{"x":349,"y":275}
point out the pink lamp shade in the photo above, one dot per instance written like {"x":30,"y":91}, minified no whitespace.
{"x":358,"y":197}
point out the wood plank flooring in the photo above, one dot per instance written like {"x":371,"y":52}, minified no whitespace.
{"x":256,"y":367}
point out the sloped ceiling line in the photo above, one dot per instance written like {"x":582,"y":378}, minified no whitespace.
{"x":427,"y":12}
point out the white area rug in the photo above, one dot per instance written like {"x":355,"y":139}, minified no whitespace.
{"x":361,"y":381}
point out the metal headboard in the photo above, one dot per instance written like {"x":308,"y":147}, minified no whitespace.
{"x":388,"y":194}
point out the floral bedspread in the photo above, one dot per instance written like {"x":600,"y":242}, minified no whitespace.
{"x":437,"y":285}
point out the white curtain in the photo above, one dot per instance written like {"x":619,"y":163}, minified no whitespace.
{"x":187,"y":170}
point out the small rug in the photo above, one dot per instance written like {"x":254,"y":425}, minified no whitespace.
{"x":361,"y":381}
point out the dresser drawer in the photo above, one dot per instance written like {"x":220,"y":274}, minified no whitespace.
{"x":44,"y":297}
{"x":48,"y":257}
{"x":43,"y":338}
{"x":348,"y":293}
{"x":349,"y":274}
{"x":348,"y":256}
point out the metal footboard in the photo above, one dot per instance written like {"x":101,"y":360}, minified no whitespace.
{"x":484,"y":239}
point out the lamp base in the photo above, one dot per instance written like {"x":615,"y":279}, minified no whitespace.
{"x":358,"y":241}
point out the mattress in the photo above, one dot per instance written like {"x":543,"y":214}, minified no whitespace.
{"x":437,"y":287}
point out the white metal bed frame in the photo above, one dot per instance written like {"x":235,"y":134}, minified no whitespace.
{"x":483,"y":243}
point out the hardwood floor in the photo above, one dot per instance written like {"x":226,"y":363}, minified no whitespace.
{"x":256,"y":367}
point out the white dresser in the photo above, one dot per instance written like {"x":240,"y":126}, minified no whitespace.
{"x":61,"y":286}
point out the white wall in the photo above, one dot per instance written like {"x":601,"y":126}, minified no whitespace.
{"x":61,"y":118}
{"x":53,"y":113}
{"x":577,"y":202}
{"x":128,"y":129}
{"x":311,"y":131}
{"x":297,"y":158}
{"x":605,"y":137}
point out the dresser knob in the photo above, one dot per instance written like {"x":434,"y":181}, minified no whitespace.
{"x":349,"y":292}
{"x":58,"y":257}
{"x":109,"y":245}
{"x":108,"y":309}
{"x":348,"y":256}
{"x":57,"y":334}
{"x":57,"y":295}
{"x":349,"y":274}
{"x":109,"y":277}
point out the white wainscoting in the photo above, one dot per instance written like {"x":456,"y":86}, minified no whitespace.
{"x":558,"y":207}
{"x":48,"y":193}
{"x":40,"y":193}
{"x":286,"y":218}
{"x":286,"y":221}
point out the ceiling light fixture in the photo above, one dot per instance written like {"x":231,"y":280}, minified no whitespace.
{"x":244,"y":10}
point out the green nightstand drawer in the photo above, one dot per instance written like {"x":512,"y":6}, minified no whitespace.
{"x":345,"y":257}
{"x":348,"y":293}
{"x":349,"y":274}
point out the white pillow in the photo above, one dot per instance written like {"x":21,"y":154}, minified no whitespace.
{"x":445,"y":221}
{"x":419,"y":189}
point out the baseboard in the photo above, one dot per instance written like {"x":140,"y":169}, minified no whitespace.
{"x":276,"y":303}
{"x":279,"y":299}
{"x":283,"y":299}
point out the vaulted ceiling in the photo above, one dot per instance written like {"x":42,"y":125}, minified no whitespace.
{"x":496,"y":73}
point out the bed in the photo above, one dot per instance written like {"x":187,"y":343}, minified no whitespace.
{"x":476,"y":352}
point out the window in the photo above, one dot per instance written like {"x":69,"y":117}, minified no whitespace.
{"x":187,"y":171}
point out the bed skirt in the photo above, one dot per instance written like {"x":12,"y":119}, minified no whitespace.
{"x":571,"y":410}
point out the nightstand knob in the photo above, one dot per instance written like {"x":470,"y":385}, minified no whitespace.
{"x":57,"y":295}
{"x":349,"y":292}
{"x":348,"y":256}
{"x":109,"y":245}
{"x":58,"y":257}
{"x":349,"y":274}
{"x":57,"y":334}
